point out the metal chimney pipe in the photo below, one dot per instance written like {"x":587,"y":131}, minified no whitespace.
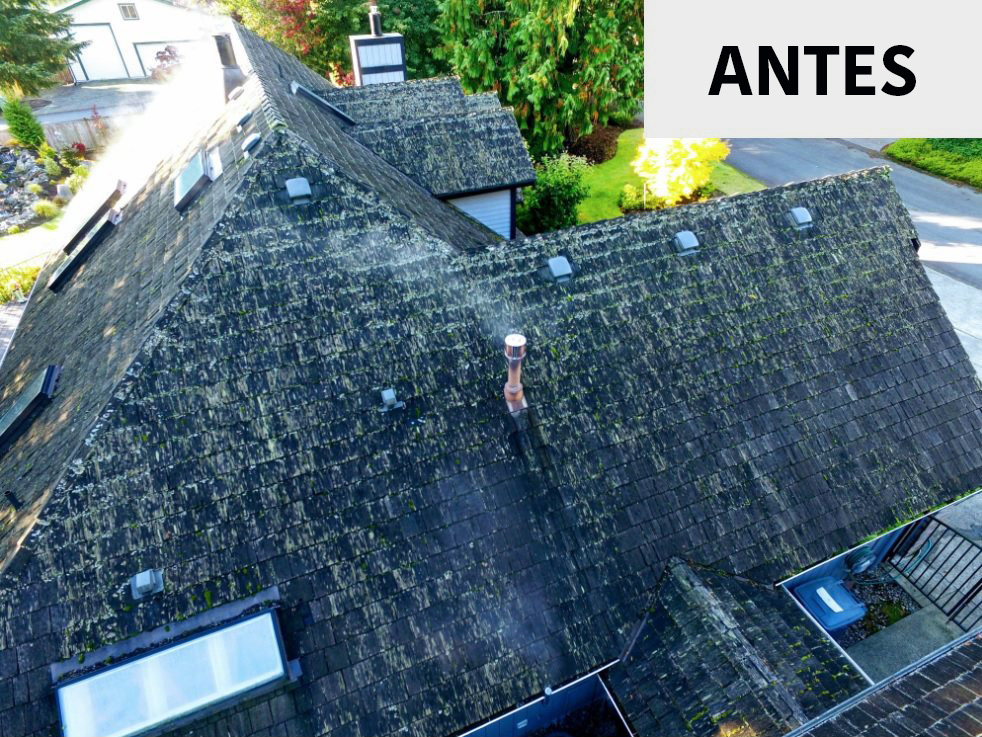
{"x":515,"y":352}
{"x":375,"y":20}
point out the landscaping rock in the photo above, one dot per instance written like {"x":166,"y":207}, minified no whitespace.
{"x":18,"y":168}
{"x":64,"y":191}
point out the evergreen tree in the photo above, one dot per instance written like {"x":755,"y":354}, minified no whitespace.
{"x":34,"y":45}
{"x":564,"y":65}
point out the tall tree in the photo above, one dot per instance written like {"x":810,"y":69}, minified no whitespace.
{"x":564,"y":65}
{"x":34,"y":45}
{"x":316,"y":31}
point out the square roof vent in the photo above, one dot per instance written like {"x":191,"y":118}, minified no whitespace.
{"x":390,"y":401}
{"x":560,"y":269}
{"x":147,"y":583}
{"x":686,"y":241}
{"x":800,"y":218}
{"x":298,"y":190}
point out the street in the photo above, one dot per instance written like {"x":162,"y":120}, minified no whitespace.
{"x":948,"y":217}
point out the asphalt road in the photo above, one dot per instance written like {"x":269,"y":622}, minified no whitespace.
{"x":948,"y":217}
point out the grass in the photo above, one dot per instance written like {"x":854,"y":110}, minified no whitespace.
{"x":605,"y":181}
{"x":955,"y":158}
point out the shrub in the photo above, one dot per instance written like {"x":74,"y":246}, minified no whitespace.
{"x":81,"y":171}
{"x":599,"y":146}
{"x":45,"y":208}
{"x":675,"y":170}
{"x":16,"y":279}
{"x":75,"y":183}
{"x":955,"y":158}
{"x":631,"y":198}
{"x":33,"y":187}
{"x":52,"y":167}
{"x":24,"y":127}
{"x":13,"y":230}
{"x":69,"y":157}
{"x":551,"y":203}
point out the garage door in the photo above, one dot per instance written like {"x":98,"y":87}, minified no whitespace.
{"x":100,"y":59}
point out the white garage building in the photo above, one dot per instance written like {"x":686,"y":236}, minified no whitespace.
{"x":124,"y":37}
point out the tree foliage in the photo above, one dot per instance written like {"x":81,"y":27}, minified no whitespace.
{"x":34,"y":46}
{"x":316,"y":31}
{"x":23,"y":126}
{"x":552,"y":202}
{"x":673,"y":169}
{"x":565,"y":66}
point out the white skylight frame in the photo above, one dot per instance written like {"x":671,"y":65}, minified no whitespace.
{"x":144,"y":693}
{"x":203,"y":167}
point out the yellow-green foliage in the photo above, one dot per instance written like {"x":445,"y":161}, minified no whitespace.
{"x":45,"y":208}
{"x":17,"y":277}
{"x":33,"y":187}
{"x":673,"y":169}
{"x":75,"y":182}
{"x":955,"y":158}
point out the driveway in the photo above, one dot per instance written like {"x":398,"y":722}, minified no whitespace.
{"x":948,"y":217}
{"x":74,"y":102}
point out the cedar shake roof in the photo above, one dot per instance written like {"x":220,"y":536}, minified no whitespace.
{"x":709,"y":634}
{"x":753,"y":407}
{"x":941,"y":697}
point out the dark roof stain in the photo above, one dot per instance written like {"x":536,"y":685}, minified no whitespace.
{"x":753,"y":407}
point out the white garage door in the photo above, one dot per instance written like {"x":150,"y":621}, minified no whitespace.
{"x":100,"y":59}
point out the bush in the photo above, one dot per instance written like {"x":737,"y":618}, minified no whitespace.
{"x":52,"y":167}
{"x":45,"y":208}
{"x":75,"y":183}
{"x":677,"y":170}
{"x":24,"y":127}
{"x":69,"y":157}
{"x":955,"y":158}
{"x":81,"y":171}
{"x":16,"y":279}
{"x":551,"y":203}
{"x":34,"y":188}
{"x":631,"y":198}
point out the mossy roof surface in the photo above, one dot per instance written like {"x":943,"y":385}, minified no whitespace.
{"x":754,"y":407}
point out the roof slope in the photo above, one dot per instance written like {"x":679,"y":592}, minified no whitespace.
{"x":722,"y":655}
{"x":449,"y":142}
{"x":940,"y":698}
{"x":755,"y":407}
{"x":338,"y":141}
{"x":97,"y":321}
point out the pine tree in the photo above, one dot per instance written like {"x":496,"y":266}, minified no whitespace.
{"x":23,"y":126}
{"x":34,"y":45}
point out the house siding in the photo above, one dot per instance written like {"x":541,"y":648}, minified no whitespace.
{"x":493,"y":209}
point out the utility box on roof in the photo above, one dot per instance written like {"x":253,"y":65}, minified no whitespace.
{"x":830,"y":602}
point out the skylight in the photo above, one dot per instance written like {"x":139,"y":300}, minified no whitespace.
{"x":301,"y":91}
{"x":172,"y":683}
{"x":201,"y":169}
{"x":75,"y":259}
{"x":100,"y":211}
{"x":34,"y":395}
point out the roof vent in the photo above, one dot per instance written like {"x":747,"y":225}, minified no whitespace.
{"x":147,"y":583}
{"x":686,"y":241}
{"x":250,"y":143}
{"x":243,"y":120}
{"x":236,"y":93}
{"x":514,"y":392}
{"x":800,"y":218}
{"x":390,"y":401}
{"x":375,"y":20}
{"x":298,"y":190}
{"x":560,"y":269}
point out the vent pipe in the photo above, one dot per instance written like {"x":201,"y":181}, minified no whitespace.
{"x":515,"y":352}
{"x":375,"y":21}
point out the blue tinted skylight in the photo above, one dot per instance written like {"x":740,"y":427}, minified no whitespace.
{"x":167,"y":685}
{"x":34,"y":394}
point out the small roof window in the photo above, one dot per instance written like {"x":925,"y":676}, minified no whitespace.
{"x":203,"y":167}
{"x":39,"y":391}
{"x":800,"y":218}
{"x":164,"y":685}
{"x":685,"y":241}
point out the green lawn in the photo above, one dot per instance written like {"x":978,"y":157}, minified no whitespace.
{"x":955,"y":158}
{"x":605,"y":181}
